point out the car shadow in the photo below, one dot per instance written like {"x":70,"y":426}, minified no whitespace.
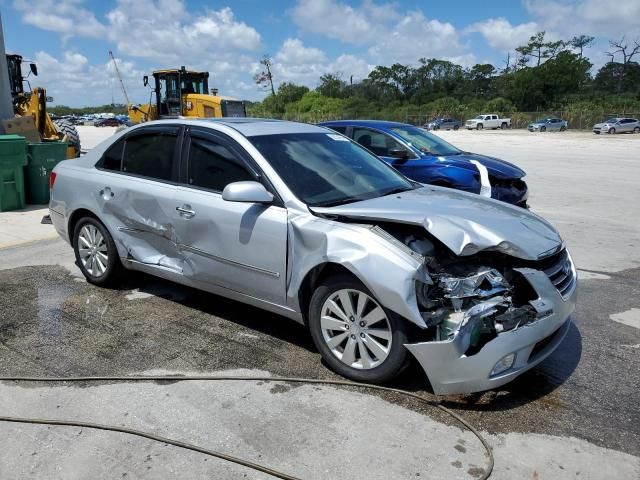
{"x":240,"y":313}
{"x":529,"y":387}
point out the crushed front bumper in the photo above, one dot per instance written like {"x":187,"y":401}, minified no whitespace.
{"x":450,"y":371}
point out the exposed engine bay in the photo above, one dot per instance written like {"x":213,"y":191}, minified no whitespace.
{"x":480,"y":295}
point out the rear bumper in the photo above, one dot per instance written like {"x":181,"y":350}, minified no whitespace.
{"x":59,"y":222}
{"x":450,"y":371}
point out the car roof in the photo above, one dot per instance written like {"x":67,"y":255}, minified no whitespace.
{"x":248,"y":127}
{"x":366,"y":123}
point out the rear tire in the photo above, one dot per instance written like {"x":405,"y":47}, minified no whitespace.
{"x":96,"y":252}
{"x":64,"y":127}
{"x":636,"y":130}
{"x":371,"y":336}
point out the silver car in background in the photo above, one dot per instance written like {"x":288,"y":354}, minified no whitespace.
{"x":618,"y":125}
{"x":548,"y":125}
{"x":301,"y":221}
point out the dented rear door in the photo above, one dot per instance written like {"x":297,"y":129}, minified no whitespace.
{"x":136,"y":195}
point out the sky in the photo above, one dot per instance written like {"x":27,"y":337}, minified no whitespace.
{"x":70,"y":39}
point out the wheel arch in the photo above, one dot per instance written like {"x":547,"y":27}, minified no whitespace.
{"x":75,"y":217}
{"x":314,"y":277}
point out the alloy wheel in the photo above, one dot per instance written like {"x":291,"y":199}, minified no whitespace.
{"x":356,"y":329}
{"x":92,"y":249}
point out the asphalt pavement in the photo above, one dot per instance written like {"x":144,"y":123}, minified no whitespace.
{"x":574,"y":416}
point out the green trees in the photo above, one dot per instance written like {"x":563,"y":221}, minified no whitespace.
{"x":548,"y":74}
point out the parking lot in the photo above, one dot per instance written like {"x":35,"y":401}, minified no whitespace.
{"x":574,"y":416}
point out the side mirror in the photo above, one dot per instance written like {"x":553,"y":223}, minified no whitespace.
{"x":145,"y":80}
{"x":34,"y":69}
{"x":246,"y":192}
{"x":399,"y":153}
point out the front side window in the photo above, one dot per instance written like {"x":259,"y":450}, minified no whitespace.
{"x":377,"y":142}
{"x":326,"y":169}
{"x":425,"y":142}
{"x":150,"y":155}
{"x":213,"y":166}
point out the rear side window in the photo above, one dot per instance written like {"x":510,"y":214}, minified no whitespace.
{"x":112,"y":158}
{"x":150,"y":155}
{"x":213,"y":166}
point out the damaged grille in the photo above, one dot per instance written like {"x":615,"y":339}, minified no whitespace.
{"x":562,"y":274}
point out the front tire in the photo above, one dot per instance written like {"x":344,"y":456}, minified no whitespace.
{"x":356,"y":336}
{"x":96,"y":252}
{"x":611,"y":131}
{"x":456,"y":127}
{"x":479,"y":126}
{"x":563,"y":128}
{"x":543,"y":129}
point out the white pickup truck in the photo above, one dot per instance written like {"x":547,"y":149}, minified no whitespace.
{"x":488,"y":121}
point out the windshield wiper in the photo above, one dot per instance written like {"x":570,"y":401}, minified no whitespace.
{"x":397,"y":190}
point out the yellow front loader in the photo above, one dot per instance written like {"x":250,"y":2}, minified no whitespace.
{"x":183,"y":93}
{"x":34,"y":103}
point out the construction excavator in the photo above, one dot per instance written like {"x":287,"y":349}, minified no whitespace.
{"x":34,"y":102}
{"x":184,"y":93}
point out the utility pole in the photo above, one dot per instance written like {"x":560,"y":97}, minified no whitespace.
{"x":6,"y":104}
{"x":124,"y":90}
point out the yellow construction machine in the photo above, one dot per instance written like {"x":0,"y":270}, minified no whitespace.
{"x":184,"y":93}
{"x":33,"y":102}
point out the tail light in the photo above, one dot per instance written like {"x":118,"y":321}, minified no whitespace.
{"x":52,"y":180}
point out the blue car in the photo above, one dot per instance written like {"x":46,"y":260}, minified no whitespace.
{"x":427,"y":158}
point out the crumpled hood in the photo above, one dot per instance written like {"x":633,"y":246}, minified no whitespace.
{"x":466,"y":223}
{"x":496,"y":167}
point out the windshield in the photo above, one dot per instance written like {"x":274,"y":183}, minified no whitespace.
{"x":480,"y":117}
{"x":611,"y":120}
{"x":425,"y":141}
{"x":326,"y":169}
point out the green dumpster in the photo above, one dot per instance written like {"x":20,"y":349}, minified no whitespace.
{"x":13,"y":157}
{"x":42,"y":157}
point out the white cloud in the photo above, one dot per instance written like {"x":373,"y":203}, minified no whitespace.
{"x":293,"y":52}
{"x":164,"y":30}
{"x":297,"y":63}
{"x":414,"y":36}
{"x":72,"y":80}
{"x":589,"y":17}
{"x":66,"y":17}
{"x":342,"y":22}
{"x":391,"y":36}
{"x":501,"y":35}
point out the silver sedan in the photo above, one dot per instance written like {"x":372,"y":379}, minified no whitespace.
{"x":548,"y":125}
{"x":617,"y":125}
{"x":300,"y":220}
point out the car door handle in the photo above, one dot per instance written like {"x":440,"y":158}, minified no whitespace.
{"x":185,"y":211}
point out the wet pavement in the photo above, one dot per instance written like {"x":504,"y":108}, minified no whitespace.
{"x":54,"y":323}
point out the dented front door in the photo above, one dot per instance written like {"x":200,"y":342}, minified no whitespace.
{"x":239,"y":246}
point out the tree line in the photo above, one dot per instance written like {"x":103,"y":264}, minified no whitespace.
{"x":542,"y":75}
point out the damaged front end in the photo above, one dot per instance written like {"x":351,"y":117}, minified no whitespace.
{"x":489,"y":316}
